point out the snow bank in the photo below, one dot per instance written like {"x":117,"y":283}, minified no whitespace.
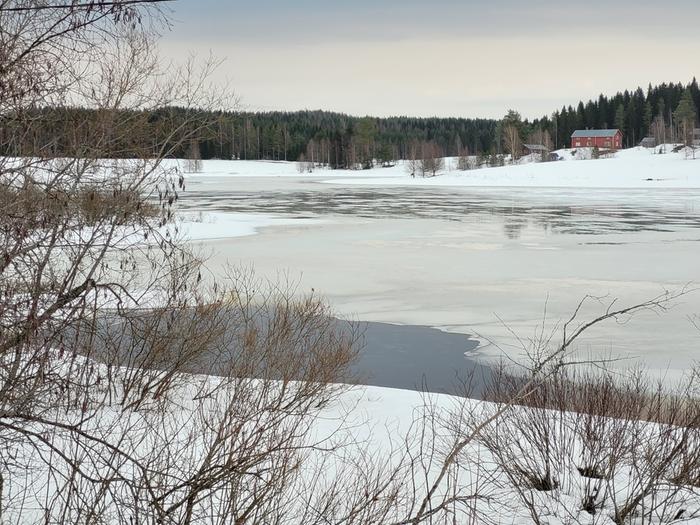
{"x":265,"y":168}
{"x":220,"y":225}
{"x":632,"y":168}
{"x":240,"y":168}
{"x":379,"y":422}
{"x":635,"y":168}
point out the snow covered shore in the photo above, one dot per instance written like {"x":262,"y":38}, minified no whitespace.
{"x":632,"y":168}
{"x":370,"y":431}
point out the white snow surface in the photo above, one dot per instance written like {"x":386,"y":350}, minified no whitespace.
{"x":221,"y":225}
{"x":241,"y":168}
{"x":633,"y":168}
{"x":380,"y":422}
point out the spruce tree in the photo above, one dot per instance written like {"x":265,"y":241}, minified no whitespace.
{"x":647,"y":118}
{"x":620,"y":118}
{"x":685,"y":116}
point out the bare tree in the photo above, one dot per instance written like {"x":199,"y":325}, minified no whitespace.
{"x":303,"y":166}
{"x":511,"y":127}
{"x":431,"y":161}
{"x":542,"y":137}
{"x":105,"y":325}
{"x":658,"y":130}
{"x":464,"y":161}
{"x":413,"y":160}
{"x":312,"y":154}
{"x":193,"y":163}
{"x":511,"y":141}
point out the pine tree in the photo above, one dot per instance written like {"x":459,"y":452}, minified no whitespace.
{"x":512,"y":127}
{"x":685,"y":116}
{"x":365,"y":133}
{"x":620,"y":118}
{"x":647,"y":118}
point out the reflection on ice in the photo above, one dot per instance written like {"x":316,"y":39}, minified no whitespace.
{"x":592,"y":212}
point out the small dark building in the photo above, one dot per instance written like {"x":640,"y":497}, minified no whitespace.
{"x":648,"y":142}
{"x":529,"y":149}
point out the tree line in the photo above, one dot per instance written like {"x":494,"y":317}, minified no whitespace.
{"x":333,"y":139}
{"x":668,"y":112}
{"x":637,"y":114}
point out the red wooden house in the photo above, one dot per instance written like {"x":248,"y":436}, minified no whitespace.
{"x":601,"y":138}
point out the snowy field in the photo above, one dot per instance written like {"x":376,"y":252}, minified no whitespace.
{"x":634,"y":168}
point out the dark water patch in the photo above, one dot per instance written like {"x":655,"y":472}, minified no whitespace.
{"x":395,"y":356}
{"x":419,"y":358}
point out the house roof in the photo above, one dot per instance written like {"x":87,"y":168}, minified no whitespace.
{"x":535,"y":147}
{"x":594,"y":133}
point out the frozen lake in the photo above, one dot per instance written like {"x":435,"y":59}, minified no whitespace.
{"x":480,"y":261}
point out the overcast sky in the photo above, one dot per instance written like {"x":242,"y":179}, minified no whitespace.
{"x":468,"y":58}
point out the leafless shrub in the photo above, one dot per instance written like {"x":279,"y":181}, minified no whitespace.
{"x":425,"y":159}
{"x":512,"y":141}
{"x":625,"y":444}
{"x":303,"y":166}
{"x":466,"y":162}
{"x":132,"y":393}
{"x":193,"y":162}
{"x":431,"y":161}
{"x":105,"y":326}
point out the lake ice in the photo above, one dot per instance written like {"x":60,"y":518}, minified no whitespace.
{"x":481,"y":261}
